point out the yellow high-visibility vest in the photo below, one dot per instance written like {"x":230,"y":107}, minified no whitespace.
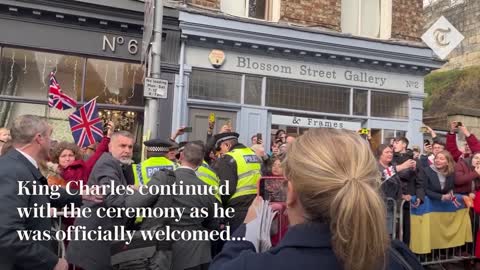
{"x":209,"y":177}
{"x":144,"y":171}
{"x":248,"y":170}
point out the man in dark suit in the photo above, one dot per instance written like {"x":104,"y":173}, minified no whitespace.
{"x":31,"y":143}
{"x":92,"y":255}
{"x":191,"y":255}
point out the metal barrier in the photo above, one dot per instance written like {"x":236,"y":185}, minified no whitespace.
{"x":439,"y":256}
{"x":391,"y":204}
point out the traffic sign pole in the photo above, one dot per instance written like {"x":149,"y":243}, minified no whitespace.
{"x":155,"y":69}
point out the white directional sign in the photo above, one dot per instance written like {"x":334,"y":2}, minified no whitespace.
{"x":155,"y":88}
{"x":442,"y":37}
{"x":308,"y":122}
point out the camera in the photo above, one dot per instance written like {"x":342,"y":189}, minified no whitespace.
{"x":459,"y":124}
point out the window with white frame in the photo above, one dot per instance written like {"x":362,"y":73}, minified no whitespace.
{"x":268,"y":10}
{"x":370,"y":18}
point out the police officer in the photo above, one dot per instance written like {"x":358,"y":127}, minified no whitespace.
{"x":157,"y":160}
{"x":240,"y":168}
{"x":203,"y":172}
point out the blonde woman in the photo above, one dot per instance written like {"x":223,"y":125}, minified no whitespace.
{"x":335,"y":210}
{"x":439,"y":178}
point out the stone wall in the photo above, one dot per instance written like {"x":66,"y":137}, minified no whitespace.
{"x":471,"y":122}
{"x":464,"y":15}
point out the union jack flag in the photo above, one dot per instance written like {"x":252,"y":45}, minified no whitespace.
{"x":86,"y":125}
{"x":56,"y":98}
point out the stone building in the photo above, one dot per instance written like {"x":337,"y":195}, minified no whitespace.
{"x":457,"y":84}
{"x":294,"y":65}
{"x":463,"y":15}
{"x":263,"y":65}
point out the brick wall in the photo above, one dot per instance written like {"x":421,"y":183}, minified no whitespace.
{"x":407,"y":19}
{"x":325,"y":13}
{"x":206,"y":3}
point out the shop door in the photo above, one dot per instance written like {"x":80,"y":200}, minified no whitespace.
{"x":199,"y":122}
{"x":253,"y":121}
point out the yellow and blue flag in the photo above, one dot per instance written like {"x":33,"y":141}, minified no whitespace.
{"x":439,"y":224}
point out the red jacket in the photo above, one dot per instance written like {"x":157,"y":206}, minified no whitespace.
{"x":464,"y":176}
{"x":476,"y":208}
{"x":80,"y":170}
{"x":452,"y":147}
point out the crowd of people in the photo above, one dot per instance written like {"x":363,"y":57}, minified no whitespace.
{"x":333,"y":182}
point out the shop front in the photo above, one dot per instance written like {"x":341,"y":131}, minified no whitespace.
{"x":95,"y":52}
{"x":263,"y":78}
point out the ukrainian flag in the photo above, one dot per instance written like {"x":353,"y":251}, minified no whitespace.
{"x":439,"y":224}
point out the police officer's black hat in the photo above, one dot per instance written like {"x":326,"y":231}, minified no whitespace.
{"x":181,"y":146}
{"x":222,"y":137}
{"x":158,"y":145}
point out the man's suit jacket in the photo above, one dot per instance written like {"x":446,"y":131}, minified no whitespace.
{"x":14,"y":253}
{"x":197,"y":252}
{"x":91,"y":255}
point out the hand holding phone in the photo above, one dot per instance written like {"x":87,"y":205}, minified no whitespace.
{"x":187,"y":129}
{"x":259,"y":138}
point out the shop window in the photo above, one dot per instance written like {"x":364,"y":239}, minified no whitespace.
{"x":253,"y":90}
{"x":26,"y":73}
{"x":114,"y":83}
{"x":388,"y":136}
{"x":360,"y":100}
{"x":215,"y":85}
{"x":307,"y":96}
{"x":259,"y":9}
{"x":389,"y":105}
{"x":57,"y":119}
{"x":370,"y":18}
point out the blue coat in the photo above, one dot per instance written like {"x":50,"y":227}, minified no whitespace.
{"x":305,"y":247}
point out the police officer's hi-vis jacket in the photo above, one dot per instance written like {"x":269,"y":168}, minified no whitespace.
{"x":241,"y":168}
{"x":209,"y":177}
{"x":143,"y":172}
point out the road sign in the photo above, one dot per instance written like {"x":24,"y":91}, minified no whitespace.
{"x":155,"y":88}
{"x":442,"y":37}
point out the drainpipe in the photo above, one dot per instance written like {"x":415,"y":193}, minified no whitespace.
{"x":178,"y":99}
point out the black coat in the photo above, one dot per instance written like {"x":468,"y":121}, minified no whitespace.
{"x":305,"y":247}
{"x":411,"y":184}
{"x":391,"y":183}
{"x":432,"y":183}
{"x":16,"y":254}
